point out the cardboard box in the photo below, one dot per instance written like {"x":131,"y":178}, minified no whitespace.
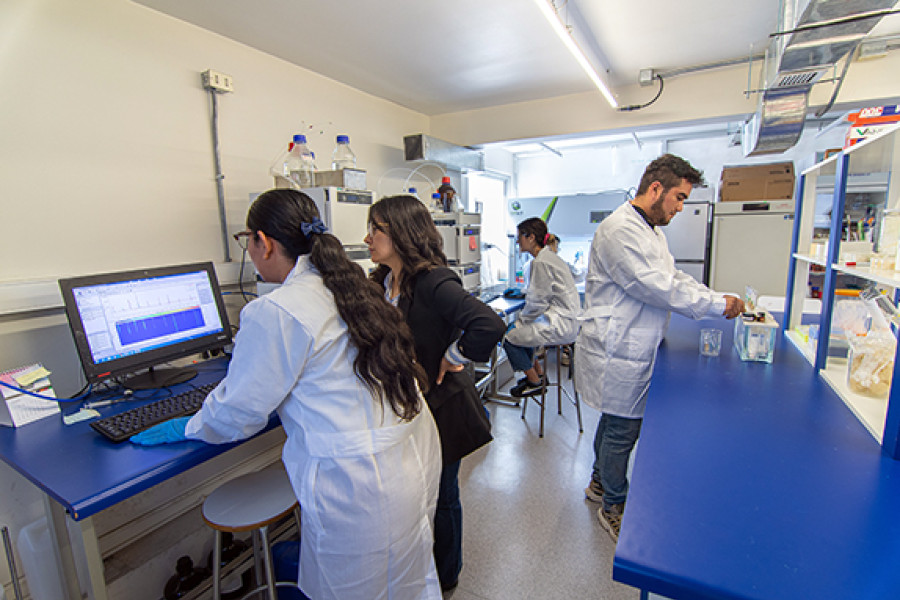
{"x":773,"y":181}
{"x":858,"y":133}
{"x":871,"y":121}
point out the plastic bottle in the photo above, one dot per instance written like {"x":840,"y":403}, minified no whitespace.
{"x":413,"y":192}
{"x":448,"y":195}
{"x":436,"y":204}
{"x":300,"y":166}
{"x":277,"y":168}
{"x":343,"y":157}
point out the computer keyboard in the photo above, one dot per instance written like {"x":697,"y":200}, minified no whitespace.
{"x":122,"y":426}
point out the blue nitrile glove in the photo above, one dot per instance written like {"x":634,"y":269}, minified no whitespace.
{"x":511,"y":326}
{"x":167,"y":432}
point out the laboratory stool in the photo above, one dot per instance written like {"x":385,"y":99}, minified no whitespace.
{"x":558,"y":384}
{"x":251,"y":502}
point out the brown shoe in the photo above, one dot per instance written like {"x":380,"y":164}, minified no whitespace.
{"x":594,"y":491}
{"x":611,"y":519}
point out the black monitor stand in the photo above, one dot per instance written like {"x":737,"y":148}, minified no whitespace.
{"x":160,"y":377}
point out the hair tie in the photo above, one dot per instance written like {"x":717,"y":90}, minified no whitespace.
{"x":546,"y":237}
{"x":316,"y":226}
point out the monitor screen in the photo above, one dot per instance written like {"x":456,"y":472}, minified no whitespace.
{"x":125,"y":322}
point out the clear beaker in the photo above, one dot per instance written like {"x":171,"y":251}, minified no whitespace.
{"x":710,"y":342}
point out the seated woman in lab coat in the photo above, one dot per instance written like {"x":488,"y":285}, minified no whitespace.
{"x":550,"y":314}
{"x":336,"y":361}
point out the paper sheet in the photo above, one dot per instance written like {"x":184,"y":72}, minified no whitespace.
{"x":19,"y":409}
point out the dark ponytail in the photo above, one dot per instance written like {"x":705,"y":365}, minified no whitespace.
{"x":385,"y":359}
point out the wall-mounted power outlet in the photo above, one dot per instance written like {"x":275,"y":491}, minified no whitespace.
{"x":220,"y":82}
{"x":646,"y":76}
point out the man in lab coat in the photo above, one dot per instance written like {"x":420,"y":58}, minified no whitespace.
{"x":632,"y":285}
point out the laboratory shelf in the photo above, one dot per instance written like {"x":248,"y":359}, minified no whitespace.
{"x":827,"y":185}
{"x":871,"y":412}
{"x":887,"y":277}
{"x":807,"y":349}
{"x":809,"y":259}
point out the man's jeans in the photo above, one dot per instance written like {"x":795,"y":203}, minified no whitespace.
{"x":613,"y":442}
{"x":521,"y":358}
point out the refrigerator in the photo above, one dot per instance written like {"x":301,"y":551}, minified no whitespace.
{"x":688,"y":237}
{"x":751,"y":245}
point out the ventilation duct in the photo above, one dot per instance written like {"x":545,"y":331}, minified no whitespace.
{"x":424,"y":147}
{"x":821,"y":33}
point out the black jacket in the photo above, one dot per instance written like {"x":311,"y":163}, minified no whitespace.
{"x":437,"y":312}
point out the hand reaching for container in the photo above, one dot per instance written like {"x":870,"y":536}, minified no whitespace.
{"x":733,"y":307}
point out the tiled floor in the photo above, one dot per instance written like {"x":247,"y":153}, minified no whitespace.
{"x":529,"y":533}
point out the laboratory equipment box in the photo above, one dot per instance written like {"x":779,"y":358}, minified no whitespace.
{"x":352,"y":179}
{"x":754,"y":336}
{"x":773,"y":181}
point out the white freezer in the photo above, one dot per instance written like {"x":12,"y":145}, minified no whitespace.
{"x":751,"y":246}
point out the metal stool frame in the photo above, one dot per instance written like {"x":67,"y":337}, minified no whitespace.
{"x":560,"y":389}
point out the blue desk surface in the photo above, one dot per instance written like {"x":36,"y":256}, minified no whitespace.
{"x":506,"y":306}
{"x":85,"y":472}
{"x":755,"y":481}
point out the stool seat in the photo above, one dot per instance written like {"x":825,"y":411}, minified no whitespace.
{"x":250,"y":501}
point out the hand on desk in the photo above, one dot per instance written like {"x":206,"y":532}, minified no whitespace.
{"x":167,"y":432}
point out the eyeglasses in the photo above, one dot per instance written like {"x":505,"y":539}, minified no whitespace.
{"x":243,"y":238}
{"x":377,"y":226}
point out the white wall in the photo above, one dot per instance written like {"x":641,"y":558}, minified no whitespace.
{"x":703,"y":96}
{"x":619,"y":166}
{"x":106,"y":160}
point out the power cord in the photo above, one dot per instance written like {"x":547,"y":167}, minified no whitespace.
{"x":76,"y":398}
{"x":632,"y":107}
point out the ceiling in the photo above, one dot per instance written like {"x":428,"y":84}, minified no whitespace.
{"x":440,"y":56}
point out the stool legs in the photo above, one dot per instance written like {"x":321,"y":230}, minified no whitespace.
{"x":217,"y":566}
{"x":560,"y":390}
{"x":543,"y":400}
{"x":262,"y":561}
{"x":267,"y":561}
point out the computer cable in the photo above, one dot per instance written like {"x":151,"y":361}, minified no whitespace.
{"x":77,"y":398}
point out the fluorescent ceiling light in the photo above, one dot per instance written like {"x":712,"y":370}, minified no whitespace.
{"x":552,"y":17}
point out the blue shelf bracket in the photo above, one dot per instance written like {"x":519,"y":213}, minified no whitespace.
{"x":834,"y":252}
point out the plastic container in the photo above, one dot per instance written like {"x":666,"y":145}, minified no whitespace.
{"x":36,"y":552}
{"x":436,"y":204}
{"x":277,"y":169}
{"x":754,"y":337}
{"x":870,"y":365}
{"x":300,"y":166}
{"x":413,"y":192}
{"x":342,"y":157}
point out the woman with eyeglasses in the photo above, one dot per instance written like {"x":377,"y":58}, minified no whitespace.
{"x":336,"y":362}
{"x":449,"y":327}
{"x":551,"y":311}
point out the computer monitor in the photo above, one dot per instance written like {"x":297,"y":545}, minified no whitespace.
{"x":129,"y":321}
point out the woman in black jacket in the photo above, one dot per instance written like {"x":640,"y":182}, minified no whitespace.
{"x":450,"y":328}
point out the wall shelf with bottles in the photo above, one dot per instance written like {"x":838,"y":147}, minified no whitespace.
{"x":829,"y":190}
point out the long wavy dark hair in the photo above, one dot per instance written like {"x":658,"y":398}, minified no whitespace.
{"x":385,"y":361}
{"x":415,"y":238}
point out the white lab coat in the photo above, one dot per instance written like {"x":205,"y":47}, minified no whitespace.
{"x":552,"y":306}
{"x":367,"y":482}
{"x":631,"y":287}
